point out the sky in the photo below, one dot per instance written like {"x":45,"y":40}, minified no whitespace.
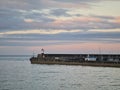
{"x":59,"y":26}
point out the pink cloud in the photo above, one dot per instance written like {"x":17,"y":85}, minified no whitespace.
{"x":117,"y":20}
{"x":75,"y":21}
{"x":92,"y":47}
{"x":89,"y":47}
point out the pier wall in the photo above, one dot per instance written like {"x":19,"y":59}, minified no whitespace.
{"x":81,"y":57}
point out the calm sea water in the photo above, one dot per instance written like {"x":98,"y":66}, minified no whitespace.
{"x":16,"y":73}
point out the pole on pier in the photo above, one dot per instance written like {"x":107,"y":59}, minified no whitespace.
{"x":33,"y":53}
{"x":42,"y":50}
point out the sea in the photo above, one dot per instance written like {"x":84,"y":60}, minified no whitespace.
{"x":17,"y":73}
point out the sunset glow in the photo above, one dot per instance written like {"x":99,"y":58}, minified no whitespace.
{"x":59,"y":26}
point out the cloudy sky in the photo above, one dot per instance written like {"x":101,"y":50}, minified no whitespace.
{"x":59,"y":26}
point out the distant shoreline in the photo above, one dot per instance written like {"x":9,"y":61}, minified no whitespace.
{"x":13,"y":55}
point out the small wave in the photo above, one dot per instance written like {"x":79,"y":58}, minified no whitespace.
{"x":76,"y":85}
{"x":6,"y":89}
{"x":62,"y":79}
{"x":3,"y":81}
{"x":50,"y":72}
{"x":115,"y":85}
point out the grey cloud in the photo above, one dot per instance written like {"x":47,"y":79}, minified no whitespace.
{"x":78,"y":15}
{"x":39,"y":4}
{"x":63,"y":36}
{"x":42,"y":40}
{"x":21,"y":4}
{"x":14,"y":12}
{"x":39,"y":17}
{"x":59,"y":12}
{"x":14,"y":20}
{"x":103,"y":17}
{"x":78,"y":1}
{"x":10,"y":19}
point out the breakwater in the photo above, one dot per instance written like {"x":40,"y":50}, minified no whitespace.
{"x":105,"y":60}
